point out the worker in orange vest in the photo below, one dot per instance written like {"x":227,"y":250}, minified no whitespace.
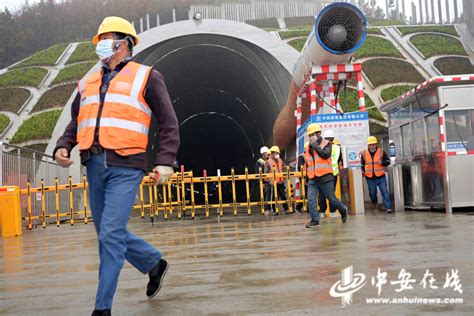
{"x":373,"y":161}
{"x":110,"y":121}
{"x":274,"y":163}
{"x":336,"y":160}
{"x":320,"y":174}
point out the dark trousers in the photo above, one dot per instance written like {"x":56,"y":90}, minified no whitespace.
{"x":299,"y":205}
{"x":322,"y":200}
{"x":269,"y":195}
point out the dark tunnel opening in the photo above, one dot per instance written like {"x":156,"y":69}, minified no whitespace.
{"x":226,"y":93}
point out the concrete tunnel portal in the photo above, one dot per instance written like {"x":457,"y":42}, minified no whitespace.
{"x":226,"y":91}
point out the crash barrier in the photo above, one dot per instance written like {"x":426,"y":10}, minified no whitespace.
{"x":184,"y":195}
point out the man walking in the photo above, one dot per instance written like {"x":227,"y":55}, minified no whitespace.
{"x":110,"y":120}
{"x":336,"y":161}
{"x":373,"y":160}
{"x":320,"y":174}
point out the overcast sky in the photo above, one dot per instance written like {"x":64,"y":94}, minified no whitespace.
{"x":15,"y":4}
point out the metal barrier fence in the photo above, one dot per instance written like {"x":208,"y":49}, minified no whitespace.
{"x":257,"y":10}
{"x":18,"y":165}
{"x":183,"y":195}
{"x":24,"y":167}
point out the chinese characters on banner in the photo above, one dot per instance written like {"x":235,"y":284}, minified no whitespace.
{"x":351,"y":129}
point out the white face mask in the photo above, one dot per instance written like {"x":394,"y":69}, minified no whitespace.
{"x":107,"y":48}
{"x":313,"y":139}
{"x":277,"y":156}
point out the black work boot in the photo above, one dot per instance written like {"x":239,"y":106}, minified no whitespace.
{"x":101,"y":312}
{"x":344,"y":216}
{"x":157,"y":274}
{"x":313,"y":223}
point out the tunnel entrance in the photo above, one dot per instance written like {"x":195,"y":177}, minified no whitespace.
{"x":226,"y":92}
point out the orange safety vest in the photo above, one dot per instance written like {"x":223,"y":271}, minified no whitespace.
{"x":126,"y":116}
{"x":318,"y":166}
{"x":278,"y":167}
{"x":374,"y":166}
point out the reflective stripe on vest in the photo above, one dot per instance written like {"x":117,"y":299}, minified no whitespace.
{"x":317,"y":167}
{"x":335,"y":154}
{"x":277,"y":166}
{"x":309,"y":163}
{"x":374,"y":166}
{"x":126,"y":117}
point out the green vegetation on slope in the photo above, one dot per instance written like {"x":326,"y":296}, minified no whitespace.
{"x":374,"y":30}
{"x":376,"y":46}
{"x":11,"y":99}
{"x":454,"y":65}
{"x":84,"y":52}
{"x":294,"y":33}
{"x":23,"y":77}
{"x":73,"y":73}
{"x":377,"y":129}
{"x":297,"y":43}
{"x":433,"y":45}
{"x":261,"y":23}
{"x":446,"y":29}
{"x":394,"y":92}
{"x":384,"y":22}
{"x":46,"y":57}
{"x":383,"y":71}
{"x":351,"y":101}
{"x":55,"y":97}
{"x":40,"y":126}
{"x":4,"y":121}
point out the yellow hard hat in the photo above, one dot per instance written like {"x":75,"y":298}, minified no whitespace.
{"x":275,"y":149}
{"x":313,"y":128}
{"x":115,"y":24}
{"x":336,"y":141}
{"x":372,"y":140}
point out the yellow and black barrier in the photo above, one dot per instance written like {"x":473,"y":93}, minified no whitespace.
{"x":44,"y":206}
{"x":183,"y":182}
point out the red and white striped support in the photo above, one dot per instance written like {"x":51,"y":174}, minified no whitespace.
{"x":360,"y":91}
{"x":298,"y":112}
{"x":442,"y":132}
{"x":297,"y":188}
{"x":456,"y":153}
{"x":428,"y":82}
{"x":332,"y":99}
{"x":333,"y":76}
{"x":312,"y":90}
{"x":325,"y":75}
{"x":324,"y":69}
{"x":321,"y":92}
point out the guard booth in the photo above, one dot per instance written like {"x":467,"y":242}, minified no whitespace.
{"x":431,"y":129}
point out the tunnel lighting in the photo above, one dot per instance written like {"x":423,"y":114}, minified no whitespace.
{"x":197,"y":16}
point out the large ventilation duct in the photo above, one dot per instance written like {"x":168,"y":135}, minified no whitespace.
{"x":339,"y":30}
